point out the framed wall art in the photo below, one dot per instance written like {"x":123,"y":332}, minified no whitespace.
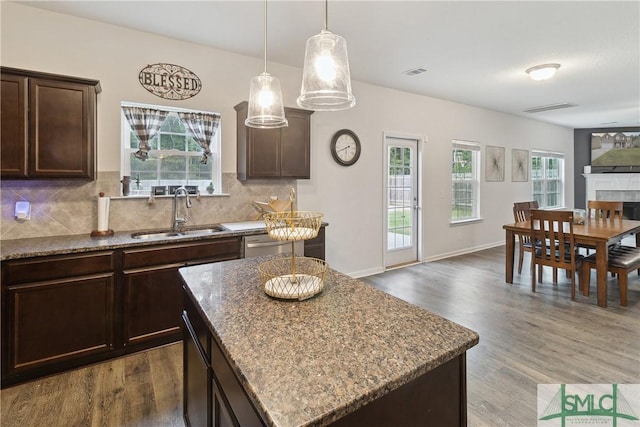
{"x":494,"y":166}
{"x":519,"y":165}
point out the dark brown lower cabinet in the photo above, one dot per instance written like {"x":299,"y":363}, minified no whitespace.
{"x":63,"y":312}
{"x":212,"y":394}
{"x":59,"y":320}
{"x":203,"y":401}
{"x":152,"y":291}
{"x":220,"y":411}
{"x":437,"y":398}
{"x":196,"y":380}
{"x":151,"y":305}
{"x":57,"y":311}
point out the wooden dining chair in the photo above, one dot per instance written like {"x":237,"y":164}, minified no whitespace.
{"x":521,"y":213}
{"x":622,"y":261}
{"x":601,"y":209}
{"x":553,"y":240}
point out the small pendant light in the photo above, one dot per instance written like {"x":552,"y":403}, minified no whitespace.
{"x":326,"y":81}
{"x":266,"y":109}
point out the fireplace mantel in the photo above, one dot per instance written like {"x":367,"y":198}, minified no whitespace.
{"x":612,"y":186}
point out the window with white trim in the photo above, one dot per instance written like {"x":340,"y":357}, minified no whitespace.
{"x":547,"y":177}
{"x":465,"y":181}
{"x":174,"y":156}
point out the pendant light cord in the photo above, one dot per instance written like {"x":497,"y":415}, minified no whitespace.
{"x":265,"y":36}
{"x":326,"y":14}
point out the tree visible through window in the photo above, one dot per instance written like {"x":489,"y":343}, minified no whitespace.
{"x":547,"y":175}
{"x":174,"y":158}
{"x":465,"y":181}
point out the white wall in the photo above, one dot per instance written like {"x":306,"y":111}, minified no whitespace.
{"x":350,"y":198}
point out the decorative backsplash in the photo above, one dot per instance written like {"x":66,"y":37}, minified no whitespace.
{"x":65,"y":207}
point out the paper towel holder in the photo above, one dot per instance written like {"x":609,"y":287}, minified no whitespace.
{"x":96,"y":233}
{"x":102,"y":233}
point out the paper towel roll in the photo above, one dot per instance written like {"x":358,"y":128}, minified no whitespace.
{"x":103,"y":213}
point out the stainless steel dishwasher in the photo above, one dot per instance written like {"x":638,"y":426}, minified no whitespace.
{"x":262,"y":244}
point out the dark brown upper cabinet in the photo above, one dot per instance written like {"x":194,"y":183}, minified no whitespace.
{"x":274,"y":153}
{"x":48,"y":125}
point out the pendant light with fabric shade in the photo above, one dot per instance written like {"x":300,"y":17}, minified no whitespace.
{"x":326,"y":80}
{"x":266,"y":109}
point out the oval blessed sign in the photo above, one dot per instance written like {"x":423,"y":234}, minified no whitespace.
{"x":170,"y":81}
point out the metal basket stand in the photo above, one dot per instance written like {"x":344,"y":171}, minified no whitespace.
{"x":296,"y":278}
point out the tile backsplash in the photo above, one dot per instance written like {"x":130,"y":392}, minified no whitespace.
{"x":66,"y":207}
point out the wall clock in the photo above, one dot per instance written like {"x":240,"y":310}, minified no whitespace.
{"x":345,"y":147}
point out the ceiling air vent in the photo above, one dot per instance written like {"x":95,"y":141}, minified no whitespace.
{"x":415,"y":71}
{"x":550,"y":107}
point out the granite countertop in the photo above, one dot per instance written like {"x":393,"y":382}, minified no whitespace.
{"x":311,"y":362}
{"x":59,"y":245}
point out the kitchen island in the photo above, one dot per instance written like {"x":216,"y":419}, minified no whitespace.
{"x":352,"y":355}
{"x":124,"y":292}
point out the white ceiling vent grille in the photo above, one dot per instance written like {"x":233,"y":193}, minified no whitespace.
{"x":550,"y":107}
{"x":415,"y":71}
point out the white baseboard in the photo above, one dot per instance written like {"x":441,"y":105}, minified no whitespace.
{"x":463,"y":251}
{"x":377,"y":270}
{"x":364,"y":273}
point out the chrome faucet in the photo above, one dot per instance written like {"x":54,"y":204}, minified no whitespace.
{"x":177,"y":220}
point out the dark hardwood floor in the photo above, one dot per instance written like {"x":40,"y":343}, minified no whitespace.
{"x":525,"y":339}
{"x":140,"y":390}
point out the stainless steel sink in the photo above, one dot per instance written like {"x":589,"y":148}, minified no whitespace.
{"x":208,"y":230}
{"x":163,"y":234}
{"x":142,"y":235}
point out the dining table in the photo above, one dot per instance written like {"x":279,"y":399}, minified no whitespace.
{"x":595,"y":232}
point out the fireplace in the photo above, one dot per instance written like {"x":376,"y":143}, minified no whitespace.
{"x":616,"y":186}
{"x":631,"y":210}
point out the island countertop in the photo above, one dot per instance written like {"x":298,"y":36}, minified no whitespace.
{"x":311,"y":362}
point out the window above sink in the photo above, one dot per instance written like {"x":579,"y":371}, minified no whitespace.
{"x":173,"y":156}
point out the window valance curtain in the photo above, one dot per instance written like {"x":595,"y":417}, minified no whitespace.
{"x":202,"y":127}
{"x":145,"y":123}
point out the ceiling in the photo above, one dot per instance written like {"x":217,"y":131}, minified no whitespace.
{"x":475,"y":52}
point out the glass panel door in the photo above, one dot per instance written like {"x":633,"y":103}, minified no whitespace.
{"x":402,"y":202}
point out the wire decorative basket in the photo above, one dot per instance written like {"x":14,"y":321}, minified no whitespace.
{"x":293,"y":225}
{"x":293,"y":277}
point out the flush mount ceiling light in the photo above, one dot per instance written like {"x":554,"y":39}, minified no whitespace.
{"x":326,"y":80}
{"x":265,"y":109}
{"x":543,"y":72}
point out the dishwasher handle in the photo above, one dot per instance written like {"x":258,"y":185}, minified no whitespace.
{"x":266,"y":244}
